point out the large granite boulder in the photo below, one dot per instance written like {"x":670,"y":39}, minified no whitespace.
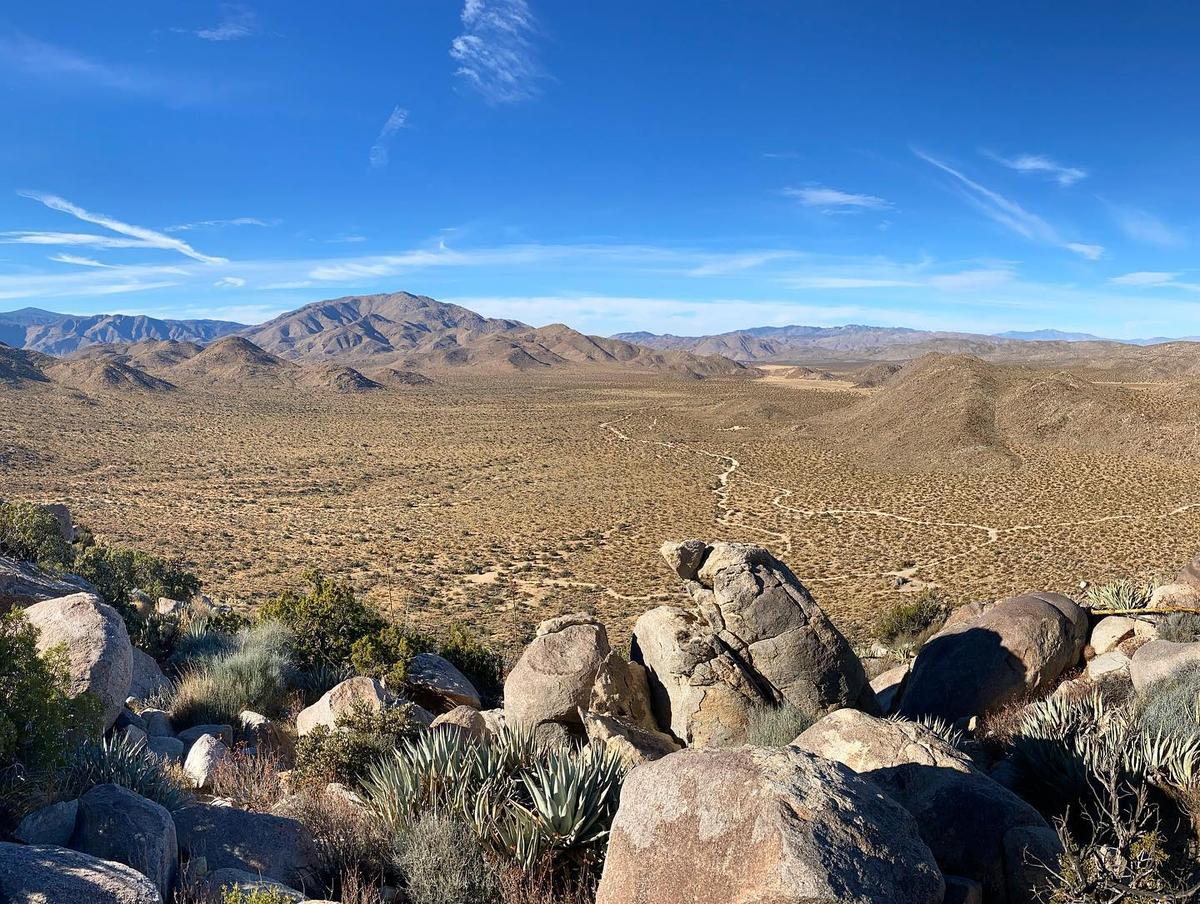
{"x":755,"y":637}
{"x":553,"y":679}
{"x":23,"y":583}
{"x":43,"y":874}
{"x":275,"y":847}
{"x":341,"y":700}
{"x":962,"y":814}
{"x":989,"y":654}
{"x":99,"y":653}
{"x":436,"y":684}
{"x":1158,"y":659}
{"x":114,"y":823}
{"x":726,"y":826}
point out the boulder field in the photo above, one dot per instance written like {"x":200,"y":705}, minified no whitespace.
{"x":860,"y":806}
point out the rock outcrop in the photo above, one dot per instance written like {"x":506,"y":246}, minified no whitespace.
{"x":962,"y":814}
{"x":23,"y":584}
{"x":99,"y":653}
{"x":724,"y":826}
{"x":989,"y":654}
{"x":756,"y":637}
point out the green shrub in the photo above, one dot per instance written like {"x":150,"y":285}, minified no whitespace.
{"x":442,"y":861}
{"x":120,"y":761}
{"x":360,"y":739}
{"x":29,"y":532}
{"x":1170,"y":708}
{"x":913,"y":618}
{"x":255,"y":671}
{"x":326,"y":620}
{"x":116,"y":572}
{"x":483,"y":665}
{"x":231,"y":894}
{"x":387,"y":653}
{"x":776,"y":726}
{"x":39,"y":722}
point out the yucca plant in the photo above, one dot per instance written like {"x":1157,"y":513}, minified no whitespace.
{"x":1121,"y":594}
{"x":938,"y":726}
{"x":120,"y":761}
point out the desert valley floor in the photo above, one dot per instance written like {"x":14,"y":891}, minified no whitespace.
{"x":505,"y":500}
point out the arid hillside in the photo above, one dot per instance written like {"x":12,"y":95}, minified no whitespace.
{"x":958,"y":411}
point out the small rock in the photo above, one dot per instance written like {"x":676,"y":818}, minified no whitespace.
{"x":157,"y":723}
{"x":53,"y":824}
{"x":1110,"y":631}
{"x":1159,"y":659}
{"x":342,"y":699}
{"x":886,"y":686}
{"x":202,"y":759}
{"x":148,"y":678}
{"x":1108,"y":665}
{"x":464,"y":719}
{"x":553,"y":678}
{"x":167,"y":748}
{"x":190,"y":736}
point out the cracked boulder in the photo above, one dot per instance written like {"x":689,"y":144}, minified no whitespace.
{"x":754,"y":638}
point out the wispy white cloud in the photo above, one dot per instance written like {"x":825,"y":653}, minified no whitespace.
{"x":143,"y":237}
{"x":1083,"y":249}
{"x":736,"y":263}
{"x":1009,"y":213}
{"x":1145,"y":278}
{"x":835,"y":200}
{"x":64,"y":258}
{"x":229,"y":282}
{"x":1041,"y":165}
{"x":1143,"y":226}
{"x":396,"y":121}
{"x":82,"y":239}
{"x":217,"y":224}
{"x":237,"y":22}
{"x":49,"y":61}
{"x":495,"y":52}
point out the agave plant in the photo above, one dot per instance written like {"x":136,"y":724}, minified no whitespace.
{"x":121,"y":761}
{"x":1122,"y":594}
{"x":524,"y":800}
{"x":938,"y":726}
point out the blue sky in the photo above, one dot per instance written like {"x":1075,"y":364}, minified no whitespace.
{"x":683,"y":167}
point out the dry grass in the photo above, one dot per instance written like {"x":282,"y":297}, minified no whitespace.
{"x":251,"y":780}
{"x":502,"y":501}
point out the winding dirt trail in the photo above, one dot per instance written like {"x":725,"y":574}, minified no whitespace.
{"x":727,"y":515}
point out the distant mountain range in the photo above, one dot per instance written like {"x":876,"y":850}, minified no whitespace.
{"x":407,"y":334}
{"x":61,"y":334}
{"x":856,"y":342}
{"x":390,"y":337}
